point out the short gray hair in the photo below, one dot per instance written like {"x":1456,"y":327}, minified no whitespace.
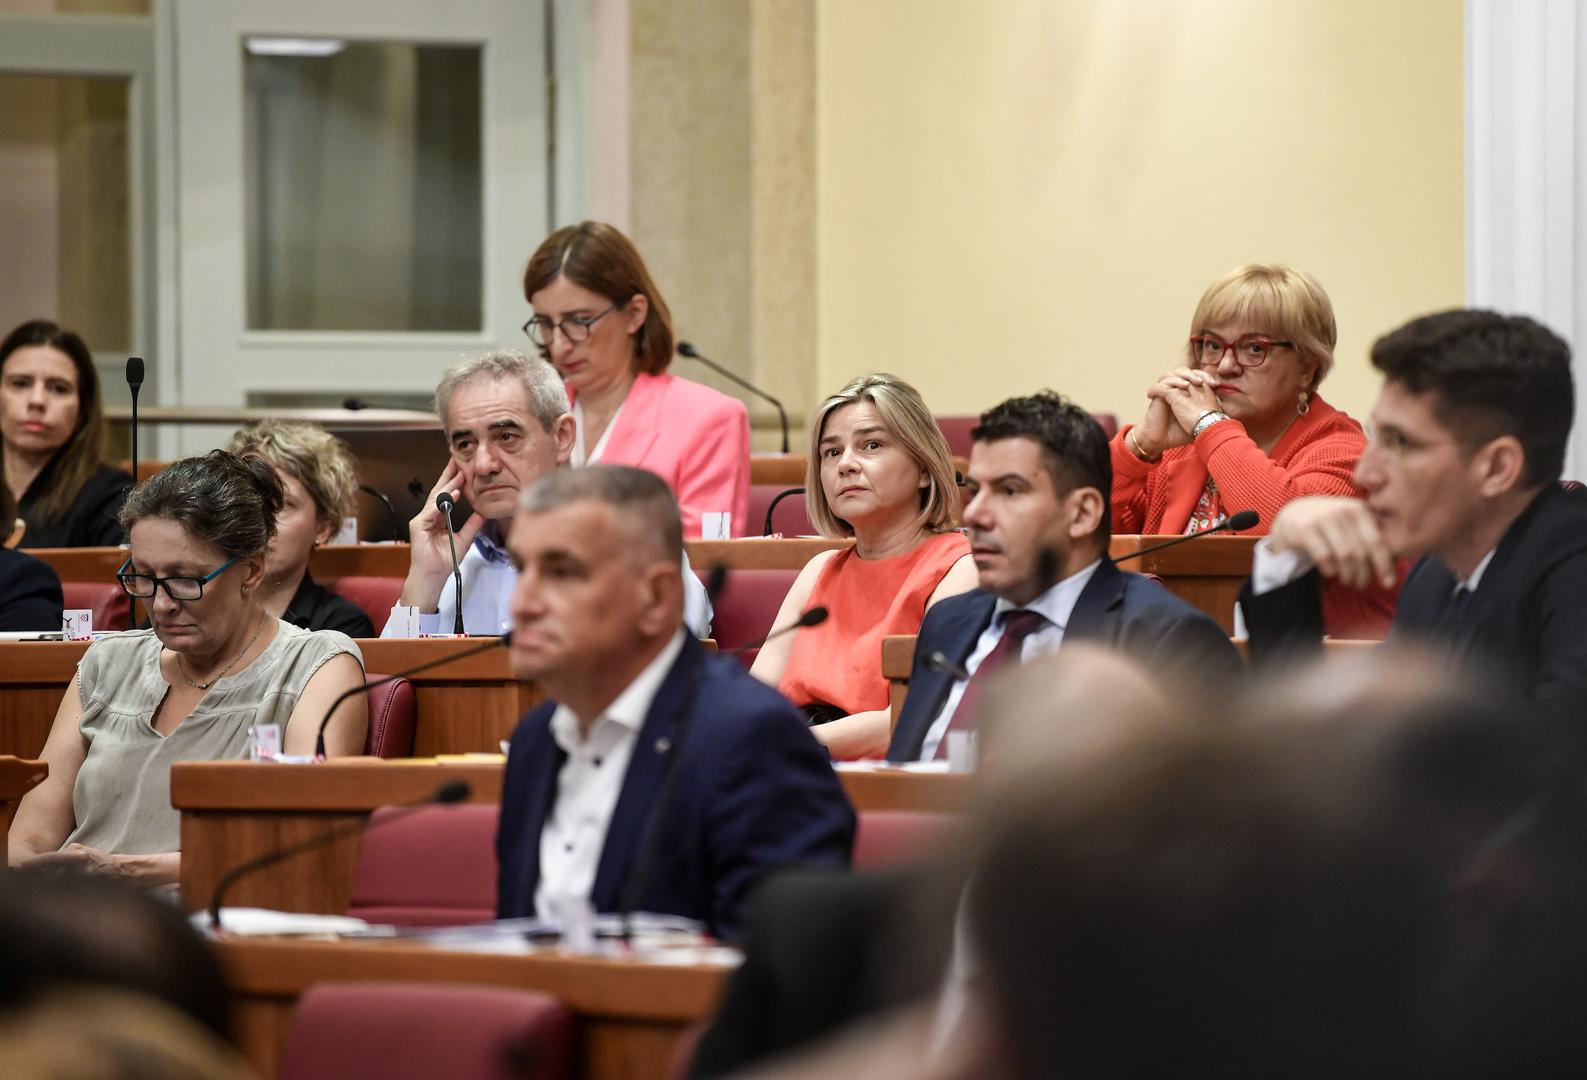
{"x":638,"y":493}
{"x":548,"y":398}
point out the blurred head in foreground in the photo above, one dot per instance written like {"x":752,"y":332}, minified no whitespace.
{"x":1363,"y":870}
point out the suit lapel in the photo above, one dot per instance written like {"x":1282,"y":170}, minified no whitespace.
{"x":647,"y":771}
{"x":1097,"y":615}
{"x":957,"y":639}
{"x":639,"y":422}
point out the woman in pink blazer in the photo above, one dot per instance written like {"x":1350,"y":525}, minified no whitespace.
{"x":600,"y":319}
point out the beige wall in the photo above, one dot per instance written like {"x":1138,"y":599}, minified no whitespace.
{"x":1022,"y":193}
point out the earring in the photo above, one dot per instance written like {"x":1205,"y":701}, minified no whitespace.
{"x":1304,"y":407}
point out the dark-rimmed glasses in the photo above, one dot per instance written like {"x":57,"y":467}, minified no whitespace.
{"x":186,"y":589}
{"x":1250,"y":350}
{"x":575,"y":328}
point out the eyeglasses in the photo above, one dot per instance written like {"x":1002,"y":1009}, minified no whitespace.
{"x":575,"y":328}
{"x":186,"y":589}
{"x":1249,"y":351}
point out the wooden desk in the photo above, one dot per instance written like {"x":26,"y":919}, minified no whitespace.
{"x":469,"y":705}
{"x":1207,"y":572}
{"x":629,"y":1013}
{"x":233,"y":811}
{"x":17,"y":778}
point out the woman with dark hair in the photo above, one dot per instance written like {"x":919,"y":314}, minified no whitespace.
{"x":601,"y":320}
{"x":52,"y":437}
{"x":213,"y":666}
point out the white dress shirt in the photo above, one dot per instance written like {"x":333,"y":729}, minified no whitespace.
{"x":588,"y":785}
{"x":1057,"y":604}
{"x":488,"y":580}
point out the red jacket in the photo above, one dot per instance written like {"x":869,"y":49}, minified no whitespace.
{"x":1316,"y":456}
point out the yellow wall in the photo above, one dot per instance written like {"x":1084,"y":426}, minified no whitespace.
{"x":1024,"y":193}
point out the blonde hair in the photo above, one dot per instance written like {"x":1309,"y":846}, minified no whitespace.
{"x":909,"y":421}
{"x":1288,"y":302}
{"x":310,"y":455}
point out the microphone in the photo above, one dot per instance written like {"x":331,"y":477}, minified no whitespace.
{"x":444,"y":503}
{"x":1245,"y":519}
{"x":715,"y":582}
{"x":134,"y":384}
{"x":814,"y":617}
{"x":390,"y":509}
{"x":779,"y":497}
{"x":687,"y":349}
{"x":416,"y":489}
{"x":937,"y":660}
{"x":319,"y":739}
{"x":454,"y":791}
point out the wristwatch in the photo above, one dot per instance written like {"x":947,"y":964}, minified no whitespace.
{"x":1206,"y":420}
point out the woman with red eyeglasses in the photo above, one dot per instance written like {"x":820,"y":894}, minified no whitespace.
{"x":1241,"y":426}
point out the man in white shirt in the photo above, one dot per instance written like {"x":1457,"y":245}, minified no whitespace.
{"x":1039,"y":524}
{"x":1462,"y":474}
{"x":507,"y":423}
{"x":660,"y":778}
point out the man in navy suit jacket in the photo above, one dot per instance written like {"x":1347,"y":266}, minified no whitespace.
{"x":1040,"y":480}
{"x":660,"y":778}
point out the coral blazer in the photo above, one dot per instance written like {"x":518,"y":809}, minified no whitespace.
{"x":693,"y":437}
{"x":1316,"y":456}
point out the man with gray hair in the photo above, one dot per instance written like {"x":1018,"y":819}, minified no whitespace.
{"x":507,"y":423}
{"x":660,"y":778}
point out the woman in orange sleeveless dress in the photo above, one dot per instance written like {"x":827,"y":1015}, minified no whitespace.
{"x":880,"y":472}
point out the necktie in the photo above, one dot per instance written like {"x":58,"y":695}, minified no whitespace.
{"x":1017,"y":626}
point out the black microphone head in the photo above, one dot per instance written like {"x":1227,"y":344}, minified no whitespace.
{"x":686,"y":348}
{"x":454,"y":791}
{"x":715,"y":581}
{"x":134,"y":371}
{"x":444,"y":502}
{"x":1245,"y":519}
{"x":814,"y":617}
{"x":415,"y":488}
{"x":354,"y":404}
{"x":1046,"y":566}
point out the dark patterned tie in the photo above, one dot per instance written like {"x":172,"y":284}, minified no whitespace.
{"x":1017,"y":626}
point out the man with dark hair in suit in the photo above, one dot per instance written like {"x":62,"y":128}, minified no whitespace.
{"x":1039,"y":526}
{"x":1461,"y":474}
{"x":660,"y":778}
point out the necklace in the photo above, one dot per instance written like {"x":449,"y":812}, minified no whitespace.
{"x":181,"y":667}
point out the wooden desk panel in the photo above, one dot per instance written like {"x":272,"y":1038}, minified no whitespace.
{"x":233,"y":811}
{"x":17,"y":778}
{"x":629,"y":1013}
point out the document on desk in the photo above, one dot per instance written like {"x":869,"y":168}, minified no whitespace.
{"x":262,"y":922}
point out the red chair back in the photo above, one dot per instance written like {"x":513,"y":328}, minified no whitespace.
{"x":409,"y":1031}
{"x":375,"y":595}
{"x":790,"y":518}
{"x":111,"y":605}
{"x":392,"y":716}
{"x":956,"y":429}
{"x":434,"y":866}
{"x":747,"y":606}
{"x":885,"y":837}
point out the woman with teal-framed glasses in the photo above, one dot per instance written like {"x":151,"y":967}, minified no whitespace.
{"x":212,"y":667}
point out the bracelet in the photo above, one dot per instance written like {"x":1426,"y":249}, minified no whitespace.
{"x":1206,"y":420}
{"x":1135,"y":447}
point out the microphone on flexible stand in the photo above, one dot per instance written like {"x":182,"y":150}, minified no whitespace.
{"x":366,"y":687}
{"x":687,"y":349}
{"x":814,"y":617}
{"x":453,"y":792}
{"x":134,"y":384}
{"x":1245,"y":519}
{"x":444,"y":503}
{"x":386,"y":501}
{"x":779,"y":497}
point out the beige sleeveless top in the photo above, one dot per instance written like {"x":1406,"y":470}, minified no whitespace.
{"x":122,"y":798}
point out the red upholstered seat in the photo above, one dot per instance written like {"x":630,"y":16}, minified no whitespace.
{"x":375,"y":595}
{"x":392,"y":714}
{"x":790,"y":518}
{"x":111,"y":605}
{"x":435,"y":866}
{"x":747,"y":606}
{"x":884,"y":837}
{"x":408,"y":1031}
{"x":956,"y":429}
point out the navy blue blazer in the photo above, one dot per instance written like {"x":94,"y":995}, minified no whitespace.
{"x":754,"y":792}
{"x":1129,"y":612}
{"x":30,"y":593}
